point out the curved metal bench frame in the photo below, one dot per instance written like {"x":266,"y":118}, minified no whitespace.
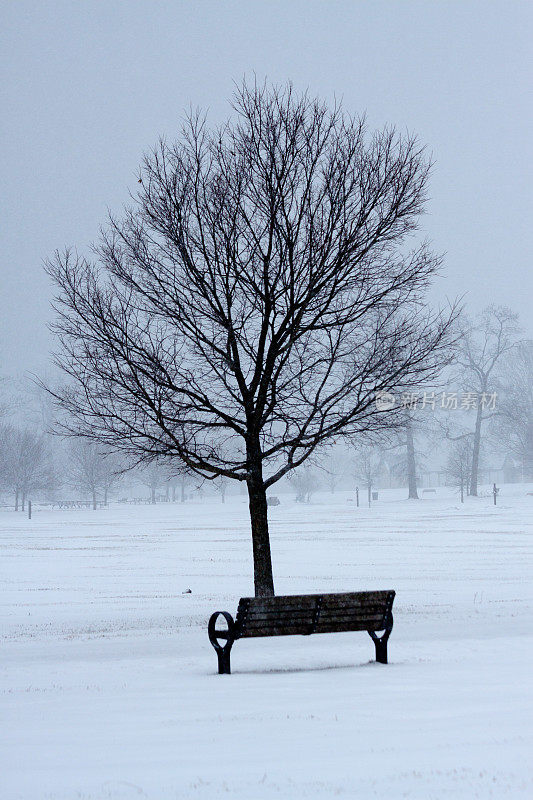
{"x":222,"y":651}
{"x":381,"y":641}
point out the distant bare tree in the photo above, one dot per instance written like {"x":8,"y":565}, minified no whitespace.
{"x":458,"y":468}
{"x":261,"y":290}
{"x":26,"y":464}
{"x":482,"y":347}
{"x":153,"y":475}
{"x":38,"y":404}
{"x":420,"y":434}
{"x":113,"y":470}
{"x":305,"y":481}
{"x":173,"y":483}
{"x":179,"y":476}
{"x":367,"y":467}
{"x":6,"y":458}
{"x":87,"y":469}
{"x":185,"y":479}
{"x":333,"y":465}
{"x":406,"y":465}
{"x":410,"y":457}
{"x":221,"y":486}
{"x":514,"y":420}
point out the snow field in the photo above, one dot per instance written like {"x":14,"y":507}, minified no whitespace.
{"x":109,"y":686}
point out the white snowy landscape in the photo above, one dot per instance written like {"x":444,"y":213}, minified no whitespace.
{"x":109,"y":683}
{"x":266,"y":336}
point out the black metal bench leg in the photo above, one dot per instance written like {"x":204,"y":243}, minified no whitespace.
{"x":381,"y":642}
{"x":222,"y":651}
{"x":224,"y":664}
{"x":381,"y":651}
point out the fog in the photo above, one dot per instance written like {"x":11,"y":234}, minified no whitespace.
{"x":89,"y":87}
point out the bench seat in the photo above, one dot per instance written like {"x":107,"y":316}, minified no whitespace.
{"x":304,"y":614}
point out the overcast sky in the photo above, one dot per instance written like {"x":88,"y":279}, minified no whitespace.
{"x":88,"y":86}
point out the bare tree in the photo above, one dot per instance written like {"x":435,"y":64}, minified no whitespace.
{"x":184,"y":481}
{"x":420,"y":434}
{"x":305,"y":482}
{"x":410,"y":457}
{"x":261,"y":290}
{"x":407,"y":464}
{"x":87,"y":471}
{"x":221,"y":486}
{"x":458,"y":468}
{"x":94,"y":470}
{"x":26,"y":464}
{"x":367,"y":468}
{"x":153,"y":475}
{"x":6,"y":458}
{"x":334,"y":465}
{"x":482,"y":346}
{"x":173,"y":483}
{"x":179,"y":476}
{"x":514,"y":419}
{"x":113,"y":470}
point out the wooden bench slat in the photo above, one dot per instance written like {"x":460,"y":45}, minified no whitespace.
{"x":325,"y":606}
{"x":278,"y":604}
{"x":360,"y":619}
{"x":347,"y":619}
{"x":333,"y":616}
{"x":355,"y":602}
{"x":372,"y":624}
{"x":280,"y":615}
{"x":309,"y":601}
{"x":353,"y":613}
{"x":265,"y":624}
{"x":368,"y":624}
{"x":272,"y":630}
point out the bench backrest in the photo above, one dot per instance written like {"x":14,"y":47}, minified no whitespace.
{"x":286,"y":615}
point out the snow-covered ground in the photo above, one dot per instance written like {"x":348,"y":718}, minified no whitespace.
{"x":108,"y":682}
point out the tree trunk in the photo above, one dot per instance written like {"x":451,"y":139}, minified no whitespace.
{"x":153,"y":497}
{"x":16,"y":499}
{"x":257,"y":501}
{"x":105,"y":496}
{"x":182,"y":487}
{"x":411,"y":461}
{"x":23,"y":500}
{"x":94,"y":499}
{"x":475,"y":453}
{"x":369,"y":489}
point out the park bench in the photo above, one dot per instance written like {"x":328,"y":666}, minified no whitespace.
{"x":77,"y":503}
{"x":304,"y":614}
